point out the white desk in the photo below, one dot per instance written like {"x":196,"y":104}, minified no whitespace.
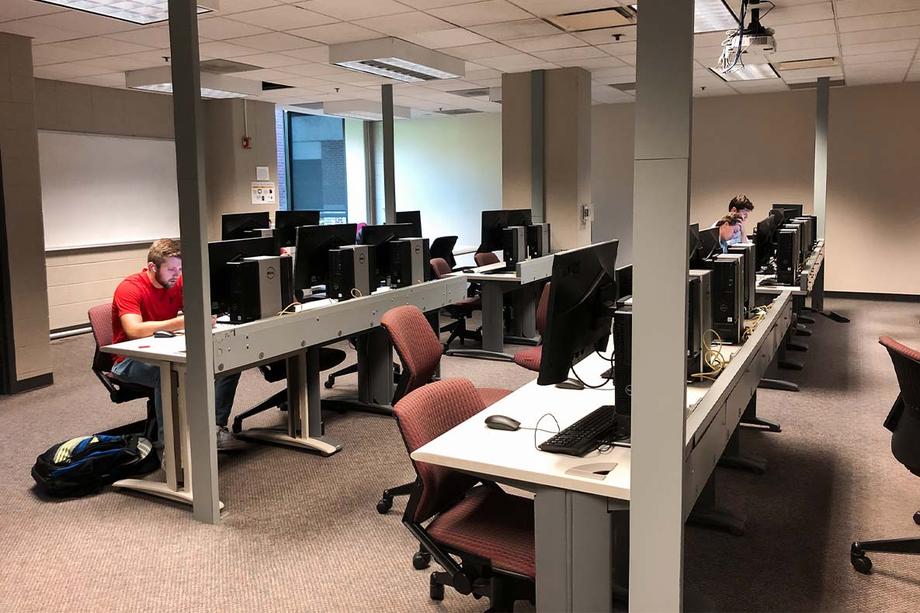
{"x":578,"y":531}
{"x":520,"y":282}
{"x":295,"y":337}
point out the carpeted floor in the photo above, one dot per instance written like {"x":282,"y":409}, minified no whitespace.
{"x":300,"y":532}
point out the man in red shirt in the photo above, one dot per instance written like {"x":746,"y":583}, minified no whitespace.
{"x":151,"y":300}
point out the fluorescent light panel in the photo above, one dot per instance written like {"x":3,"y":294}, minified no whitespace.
{"x":396,"y":59}
{"x":748,"y":72}
{"x":212,"y":85}
{"x":710,"y":16}
{"x":140,"y":12}
{"x":362,"y":109}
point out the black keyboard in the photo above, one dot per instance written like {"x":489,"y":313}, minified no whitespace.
{"x":585,"y":435}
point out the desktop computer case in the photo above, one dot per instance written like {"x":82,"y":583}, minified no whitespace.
{"x":255,"y":288}
{"x":349,"y":269}
{"x":409,"y":261}
{"x":699,"y":318}
{"x":728,"y":297}
{"x":750,"y":273}
{"x":787,"y":255}
{"x":538,"y":240}
{"x":622,"y":365}
{"x":514,"y":243}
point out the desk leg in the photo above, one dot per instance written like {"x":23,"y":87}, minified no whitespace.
{"x":734,"y":458}
{"x":750,"y":419}
{"x":305,"y":425}
{"x":524,"y":323}
{"x":783,"y":359}
{"x":574,"y":540}
{"x":176,"y":449}
{"x":375,"y":370}
{"x":817,"y":291}
{"x":708,"y":514}
{"x":493,"y":332}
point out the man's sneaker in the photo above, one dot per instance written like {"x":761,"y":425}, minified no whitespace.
{"x":226,"y":441}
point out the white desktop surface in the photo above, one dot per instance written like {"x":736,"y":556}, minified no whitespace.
{"x":480,"y":273}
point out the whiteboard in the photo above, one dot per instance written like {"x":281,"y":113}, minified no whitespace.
{"x":103,"y":190}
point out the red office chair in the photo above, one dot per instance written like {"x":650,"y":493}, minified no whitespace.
{"x":490,"y":531}
{"x":485,"y":258}
{"x":459,"y":311}
{"x":420,"y":352}
{"x":531,"y":357}
{"x":904,"y":423}
{"x":100,"y":320}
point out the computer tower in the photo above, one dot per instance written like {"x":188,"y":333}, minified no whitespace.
{"x":807,"y":238}
{"x":514,"y":244}
{"x":750,"y":273}
{"x":622,"y":365}
{"x":287,"y":281}
{"x":538,"y":240}
{"x":699,"y":317}
{"x":349,"y":272}
{"x":788,"y":251}
{"x":255,"y":288}
{"x":727,"y":296}
{"x":409,"y":262}
{"x":802,"y":227}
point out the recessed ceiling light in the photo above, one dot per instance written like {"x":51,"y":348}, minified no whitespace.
{"x":362,"y":109}
{"x":212,"y":85}
{"x":818,"y":62}
{"x":396,"y":59}
{"x":140,"y":12}
{"x":748,"y":72}
{"x":710,"y":16}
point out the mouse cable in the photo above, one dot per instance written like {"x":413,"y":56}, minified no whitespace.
{"x":536,"y":428}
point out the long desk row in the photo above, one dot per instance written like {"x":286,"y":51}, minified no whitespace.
{"x":295,"y":337}
{"x":580,"y":530}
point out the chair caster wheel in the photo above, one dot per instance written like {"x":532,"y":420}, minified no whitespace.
{"x":421,"y":560}
{"x":384,"y":505}
{"x":861,"y":563}
{"x":330,"y":381}
{"x":237,"y":427}
{"x":917,"y":518}
{"x":435,"y":589}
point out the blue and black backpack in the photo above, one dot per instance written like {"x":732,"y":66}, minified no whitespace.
{"x":85,"y":464}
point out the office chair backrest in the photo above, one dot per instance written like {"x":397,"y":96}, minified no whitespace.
{"x":543,"y":309}
{"x":424,"y":415}
{"x":417,"y":345}
{"x":100,"y":320}
{"x":440,"y":267}
{"x":443,"y":247}
{"x":485,"y":258}
{"x":904,"y":419}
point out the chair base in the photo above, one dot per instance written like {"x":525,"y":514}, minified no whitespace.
{"x":862,"y":563}
{"x":386,"y":500}
{"x":501,"y":590}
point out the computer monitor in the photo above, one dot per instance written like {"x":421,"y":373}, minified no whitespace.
{"x":287,"y":222}
{"x":493,"y":222}
{"x":765,"y":237}
{"x":414,"y":218}
{"x":789,"y":210}
{"x":708,"y":246}
{"x":624,"y":278}
{"x":240,"y":225}
{"x":221,"y":252}
{"x":311,"y":260}
{"x":582,"y":300}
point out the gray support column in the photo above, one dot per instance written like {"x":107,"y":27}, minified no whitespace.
{"x":821,"y":113}
{"x":664,"y":104}
{"x":193,"y":230}
{"x":538,"y":139}
{"x":370,"y":173}
{"x":389,"y":165}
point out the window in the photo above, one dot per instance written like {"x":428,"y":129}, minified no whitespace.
{"x":316,"y":178}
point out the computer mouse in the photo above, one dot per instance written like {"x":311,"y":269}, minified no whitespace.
{"x":163,"y":334}
{"x":502,"y":422}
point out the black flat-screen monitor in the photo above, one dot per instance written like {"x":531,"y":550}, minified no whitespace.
{"x":414,"y":218}
{"x":287,"y":222}
{"x":221,"y":252}
{"x":765,"y":237}
{"x":789,"y":210}
{"x":493,"y":222}
{"x":624,"y":279}
{"x":582,"y":299}
{"x":240,"y":225}
{"x":311,"y":260}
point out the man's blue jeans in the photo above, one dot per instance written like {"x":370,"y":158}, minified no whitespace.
{"x":134,"y":371}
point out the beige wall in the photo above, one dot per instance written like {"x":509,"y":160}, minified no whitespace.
{"x":24,"y":240}
{"x":230,"y":168}
{"x":763,"y":145}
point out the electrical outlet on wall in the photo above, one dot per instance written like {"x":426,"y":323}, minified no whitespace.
{"x":586,"y":213}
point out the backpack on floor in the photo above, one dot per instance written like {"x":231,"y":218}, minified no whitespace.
{"x":84,"y":464}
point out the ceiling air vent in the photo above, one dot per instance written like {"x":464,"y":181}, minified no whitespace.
{"x":221,"y":66}
{"x":478,"y":92}
{"x":595,"y":19}
{"x":818,"y":62}
{"x":628,"y":88}
{"x":458,"y":111}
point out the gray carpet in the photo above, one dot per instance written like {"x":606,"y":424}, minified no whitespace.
{"x":300,"y":532}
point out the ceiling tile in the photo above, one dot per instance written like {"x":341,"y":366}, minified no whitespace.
{"x":275,"y":41}
{"x":878,"y":36}
{"x":228,"y":7}
{"x":220,"y":49}
{"x":122,"y":63}
{"x":431,"y":4}
{"x":808,"y":42}
{"x":100,"y":45}
{"x":894,"y":57}
{"x":804,"y":54}
{"x":811,"y":28}
{"x":855,"y":8}
{"x":609,"y":35}
{"x":479,"y":52}
{"x":334,"y":33}
{"x":479,"y":13}
{"x":441,"y":39}
{"x":310,"y":70}
{"x":65,"y":71}
{"x":21,"y":9}
{"x":517,"y":63}
{"x":598,"y":63}
{"x":619,"y":49}
{"x":349,"y":10}
{"x":895,"y":45}
{"x":543,"y":8}
{"x":877,"y":22}
{"x":86,"y":24}
{"x":55,"y":53}
{"x":814,"y":11}
{"x":509,"y":30}
{"x":545,"y":43}
{"x":39,"y":33}
{"x":268,"y":60}
{"x":575,"y":53}
{"x":313,"y":54}
{"x":151,"y":36}
{"x":283,"y":18}
{"x":404,"y":23}
{"x":219,"y":28}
